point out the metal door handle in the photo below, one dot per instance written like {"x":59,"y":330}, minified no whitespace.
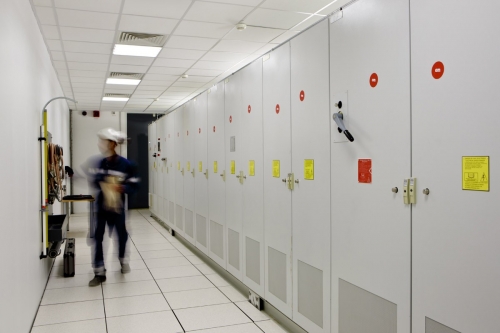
{"x":395,"y":190}
{"x":296,"y":181}
{"x":426,"y":191}
{"x":284,"y":180}
{"x":222,"y":175}
{"x":237,"y":176}
{"x":245,"y":177}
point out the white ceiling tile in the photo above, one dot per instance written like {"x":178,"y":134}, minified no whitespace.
{"x":265,"y":49}
{"x":158,"y":8}
{"x":126,"y":60}
{"x":150,"y":95}
{"x":156,"y":83}
{"x":202,"y":29}
{"x":182,"y":83}
{"x":142,"y":87}
{"x":99,"y":74}
{"x":83,"y":19}
{"x":62,"y":72}
{"x":334,"y":6}
{"x":152,"y":25}
{"x":274,"y":18}
{"x":107,"y":6}
{"x":87,"y":90}
{"x":57,"y":55}
{"x":64,"y":80}
{"x":174,"y":62}
{"x":47,"y":3}
{"x":284,"y":37}
{"x":59,"y":64}
{"x":87,"y":57}
{"x":217,"y":12}
{"x":192,"y":43}
{"x":87,"y":35}
{"x":224,"y":56}
{"x":218,"y":65}
{"x":193,"y":78}
{"x":205,"y":72}
{"x":188,"y":89}
{"x":50,"y":32}
{"x":175,"y":94}
{"x":180,"y":54}
{"x":238,"y":46}
{"x":86,"y":79}
{"x":88,"y":85}
{"x":140,"y":101}
{"x":309,"y":6}
{"x":167,"y":70}
{"x":54,"y":45}
{"x":85,"y":47}
{"x":255,"y":34}
{"x":87,"y":66}
{"x":307,"y":23}
{"x":128,"y":68}
{"x":160,"y":77}
{"x":238,"y":2}
{"x":46,"y":15}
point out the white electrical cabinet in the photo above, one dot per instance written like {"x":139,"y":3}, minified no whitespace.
{"x":201,"y":172}
{"x":455,"y":99}
{"x":217,"y":174}
{"x":153,"y":177}
{"x":371,"y":226}
{"x":188,"y":116}
{"x":311,"y":178}
{"x":180,"y":171}
{"x":163,"y":162}
{"x":159,"y":167}
{"x":276,"y":167}
{"x":171,"y":168}
{"x":251,"y":168}
{"x":234,"y":178}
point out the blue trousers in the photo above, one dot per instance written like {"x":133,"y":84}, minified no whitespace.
{"x":113,"y":220}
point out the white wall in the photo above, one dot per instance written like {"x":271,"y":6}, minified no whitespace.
{"x":28,"y":82}
{"x":84,"y":141}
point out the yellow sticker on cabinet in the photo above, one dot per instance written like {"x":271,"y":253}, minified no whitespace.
{"x":178,"y":165}
{"x":200,"y":166}
{"x":476,"y":173}
{"x":188,"y":166}
{"x":216,"y":168}
{"x":251,"y":168}
{"x":276,"y":169}
{"x":309,"y":169}
{"x":233,"y":167}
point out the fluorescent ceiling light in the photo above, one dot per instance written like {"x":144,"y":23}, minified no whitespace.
{"x":115,"y":99}
{"x":123,"y":81}
{"x":136,"y":51}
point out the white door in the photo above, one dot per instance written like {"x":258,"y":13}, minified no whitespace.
{"x":188,"y":116}
{"x":159,"y":168}
{"x":153,"y":150}
{"x":201,"y":172}
{"x":234,"y":168}
{"x":164,"y":165}
{"x":371,"y":225}
{"x":277,"y":165}
{"x":311,"y":168}
{"x":217,"y":175}
{"x":252,"y":155}
{"x":171,"y":168}
{"x":455,"y":67}
{"x":179,"y":170}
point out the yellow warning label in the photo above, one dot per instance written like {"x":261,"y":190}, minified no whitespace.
{"x":309,"y":169}
{"x":276,"y":169}
{"x":188,"y":166}
{"x":233,"y":167}
{"x":216,"y":169}
{"x":251,"y":168}
{"x":476,"y":173}
{"x":178,"y":165}
{"x":200,"y":166}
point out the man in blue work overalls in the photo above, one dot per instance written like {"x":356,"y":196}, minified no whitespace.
{"x":115,"y":176}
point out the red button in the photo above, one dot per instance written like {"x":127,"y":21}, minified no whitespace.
{"x":214,"y":129}
{"x":230,"y":119}
{"x":199,"y":130}
{"x":438,"y":70}
{"x":302,"y":95}
{"x":373,"y":80}
{"x":249,"y":109}
{"x":277,"y":108}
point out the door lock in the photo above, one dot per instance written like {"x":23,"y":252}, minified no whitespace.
{"x":406,"y":196}
{"x":426,"y":191}
{"x":395,"y":190}
{"x":291,"y":179}
{"x":413,"y":190}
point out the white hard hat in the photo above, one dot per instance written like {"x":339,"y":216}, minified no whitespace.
{"x":112,"y":135}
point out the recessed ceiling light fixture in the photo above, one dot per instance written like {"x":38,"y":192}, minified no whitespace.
{"x":185,"y":76}
{"x":136,"y":51}
{"x":123,"y":81}
{"x":241,"y":26}
{"x":115,"y":99}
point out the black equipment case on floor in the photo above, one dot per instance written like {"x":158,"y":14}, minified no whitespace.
{"x":69,"y":258}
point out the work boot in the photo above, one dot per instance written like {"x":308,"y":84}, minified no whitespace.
{"x":125,"y":268}
{"x":97,"y":280}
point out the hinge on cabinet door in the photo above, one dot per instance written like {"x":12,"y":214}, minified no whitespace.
{"x":206,"y":173}
{"x":291,"y":181}
{"x":223,"y":175}
{"x":192,"y":172}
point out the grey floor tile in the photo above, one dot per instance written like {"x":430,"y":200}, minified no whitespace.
{"x":270,"y":326}
{"x":242,"y":328}
{"x":194,"y":298}
{"x":130,"y":289}
{"x":135,"y":304}
{"x":155,"y":322}
{"x":69,"y":295}
{"x":211,"y":316}
{"x":172,"y":272}
{"x":233,"y":294}
{"x":86,"y":326}
{"x":217,"y":280}
{"x":184,"y":283}
{"x":252,"y":312}
{"x":61,"y":313}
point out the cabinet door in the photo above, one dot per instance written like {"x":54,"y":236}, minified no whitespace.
{"x":180,"y":171}
{"x":456,"y":267}
{"x":188,"y":116}
{"x":171,"y":168}
{"x":201,"y":173}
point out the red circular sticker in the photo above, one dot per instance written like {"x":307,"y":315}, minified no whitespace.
{"x":438,"y":70}
{"x":159,"y":139}
{"x":277,"y":108}
{"x":302,"y":95}
{"x":214,"y":129}
{"x":199,"y":130}
{"x":230,"y":119}
{"x":249,"y":108}
{"x":373,"y":80}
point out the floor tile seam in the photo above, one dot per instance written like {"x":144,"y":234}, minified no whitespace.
{"x":60,"y":303}
{"x":104,"y":308}
{"x":71,"y":321}
{"x":148,"y":293}
{"x":202,"y":329}
{"x":180,"y":324}
{"x":140,"y":313}
{"x":169,"y":292}
{"x":171,"y":266}
{"x":200,"y":306}
{"x":107,"y":283}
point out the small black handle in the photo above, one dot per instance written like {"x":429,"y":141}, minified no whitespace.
{"x":348,"y":135}
{"x":154,"y":155}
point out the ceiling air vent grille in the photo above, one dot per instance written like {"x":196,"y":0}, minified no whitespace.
{"x":119,"y":75}
{"x":135,"y":38}
{"x":117,"y":95}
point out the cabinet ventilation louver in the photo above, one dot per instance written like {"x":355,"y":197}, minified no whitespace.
{"x":117,"y":95}
{"x":135,"y":38}
{"x":120,"y":75}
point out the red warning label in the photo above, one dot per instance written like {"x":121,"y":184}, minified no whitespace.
{"x":373,"y":80}
{"x":277,"y":108}
{"x":230,"y":119}
{"x":365,"y":170}
{"x":302,"y":95}
{"x":249,"y":108}
{"x":438,"y":70}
